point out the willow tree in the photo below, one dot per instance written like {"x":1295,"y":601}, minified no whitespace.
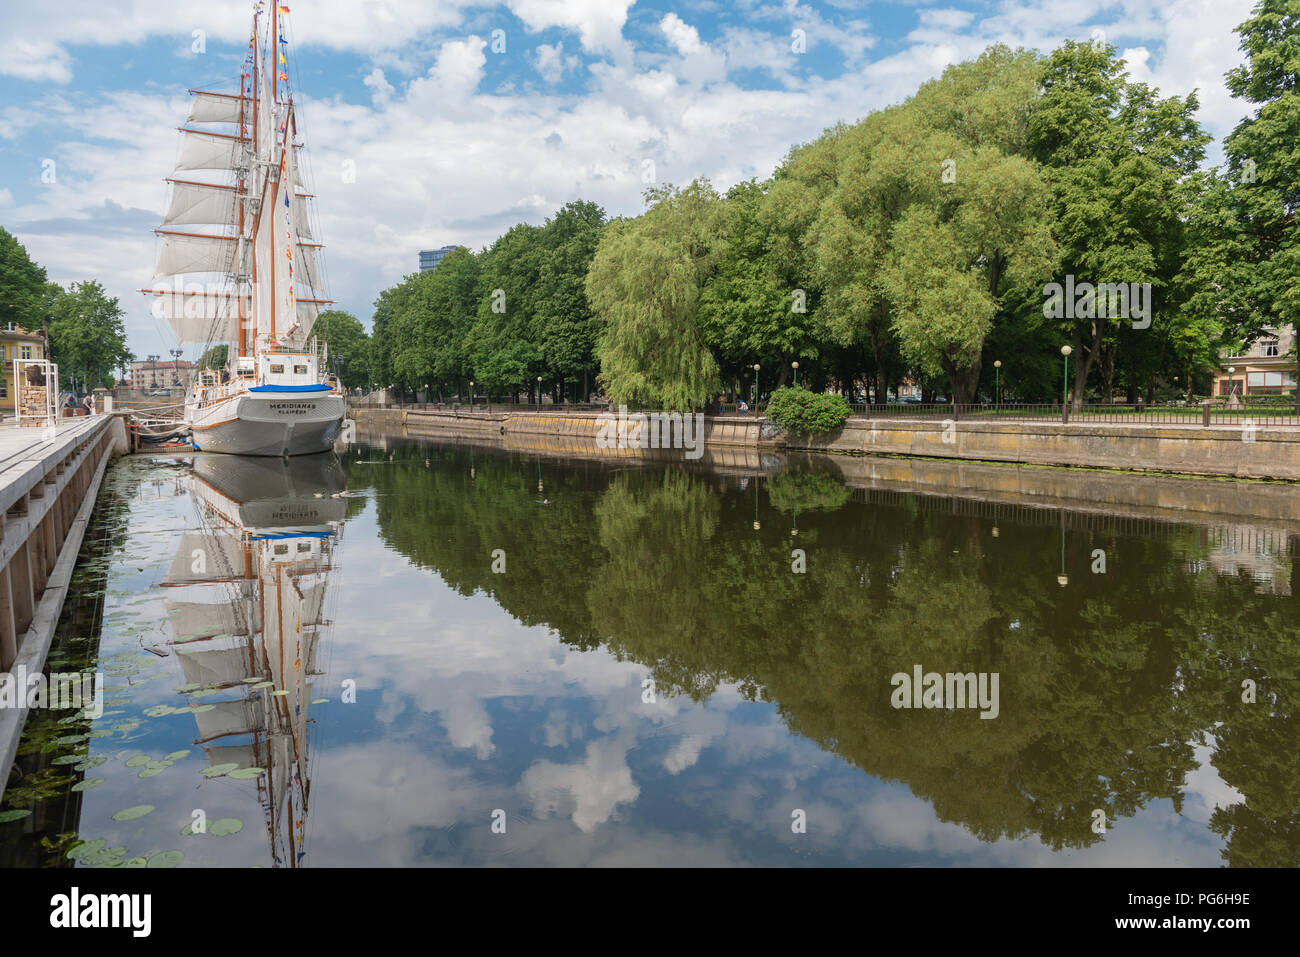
{"x":921,"y":217}
{"x":644,"y":286}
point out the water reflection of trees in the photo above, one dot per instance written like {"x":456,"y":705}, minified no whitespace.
{"x":1107,"y":683}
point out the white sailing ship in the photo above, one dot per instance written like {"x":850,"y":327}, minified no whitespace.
{"x":239,"y":264}
{"x":249,"y":618}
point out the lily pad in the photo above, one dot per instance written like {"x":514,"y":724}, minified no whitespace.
{"x":138,"y":761}
{"x":87,"y":784}
{"x":217,"y":770}
{"x":177,"y":755}
{"x":84,"y":849}
{"x":225,"y":826}
{"x":131,"y":813}
{"x":14,"y":815}
{"x":159,"y":710}
{"x":320,"y":701}
{"x":246,"y":774}
{"x":166,"y":859}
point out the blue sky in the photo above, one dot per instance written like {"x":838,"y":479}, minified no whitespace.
{"x":426,"y":126}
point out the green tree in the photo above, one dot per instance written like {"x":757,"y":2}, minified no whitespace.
{"x":24,"y":295}
{"x":564,"y":324}
{"x":756,"y":307}
{"x":87,"y":336}
{"x":1118,"y":158}
{"x":349,"y":347}
{"x":502,"y":340}
{"x":645,"y":286}
{"x":216,"y":357}
{"x":1244,"y":275}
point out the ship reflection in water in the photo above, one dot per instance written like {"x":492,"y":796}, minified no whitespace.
{"x":200,"y":597}
{"x":246,"y":607}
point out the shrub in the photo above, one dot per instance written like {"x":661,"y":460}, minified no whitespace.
{"x":801,"y":412}
{"x":799,"y":491}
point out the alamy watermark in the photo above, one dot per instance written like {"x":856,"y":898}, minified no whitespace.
{"x":652,"y":430}
{"x":1106,"y":300}
{"x":74,"y":690}
{"x":952,"y":690}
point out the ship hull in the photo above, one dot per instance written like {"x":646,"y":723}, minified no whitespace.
{"x":273,"y":423}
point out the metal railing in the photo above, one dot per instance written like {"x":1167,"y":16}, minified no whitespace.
{"x":1205,"y":414}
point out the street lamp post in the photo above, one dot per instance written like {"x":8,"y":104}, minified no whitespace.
{"x":997,"y":384}
{"x":1065,"y":385}
{"x":539,"y":391}
{"x":755,"y":388}
{"x":471,"y":395}
{"x":795,"y":365}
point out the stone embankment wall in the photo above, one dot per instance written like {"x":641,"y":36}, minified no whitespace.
{"x":1261,"y":452}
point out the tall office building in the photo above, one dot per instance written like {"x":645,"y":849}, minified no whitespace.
{"x":429,"y":258}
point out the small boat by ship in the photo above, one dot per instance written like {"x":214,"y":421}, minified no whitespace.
{"x":242,"y":259}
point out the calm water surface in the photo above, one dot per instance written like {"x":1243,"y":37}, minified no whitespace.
{"x":374,"y":658}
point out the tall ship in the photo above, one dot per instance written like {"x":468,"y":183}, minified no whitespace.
{"x":248,"y":623}
{"x":239,"y":264}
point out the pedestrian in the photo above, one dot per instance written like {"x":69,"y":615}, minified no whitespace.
{"x":743,"y":406}
{"x":88,"y":403}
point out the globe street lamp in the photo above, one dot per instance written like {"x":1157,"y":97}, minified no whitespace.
{"x":471,"y":395}
{"x":1232,"y":385}
{"x":539,"y":391}
{"x":795,"y":366}
{"x":997,"y":383}
{"x":755,"y":388}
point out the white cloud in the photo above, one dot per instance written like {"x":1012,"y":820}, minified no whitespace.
{"x":459,"y":67}
{"x":599,"y":23}
{"x":379,"y":86}
{"x":552,"y":64}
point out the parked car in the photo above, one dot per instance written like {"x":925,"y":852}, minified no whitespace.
{"x":162,"y":392}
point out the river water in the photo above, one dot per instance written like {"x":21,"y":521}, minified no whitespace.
{"x":417,"y":653}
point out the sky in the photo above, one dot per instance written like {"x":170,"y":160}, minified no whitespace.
{"x":432,"y":122}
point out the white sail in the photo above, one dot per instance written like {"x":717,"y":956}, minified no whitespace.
{"x":230,"y":717}
{"x":206,"y":557}
{"x":218,"y":108}
{"x":201,"y":150}
{"x":226,"y":666}
{"x":189,"y":618}
{"x":181,"y":254}
{"x":301,"y":217}
{"x":194,"y":203}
